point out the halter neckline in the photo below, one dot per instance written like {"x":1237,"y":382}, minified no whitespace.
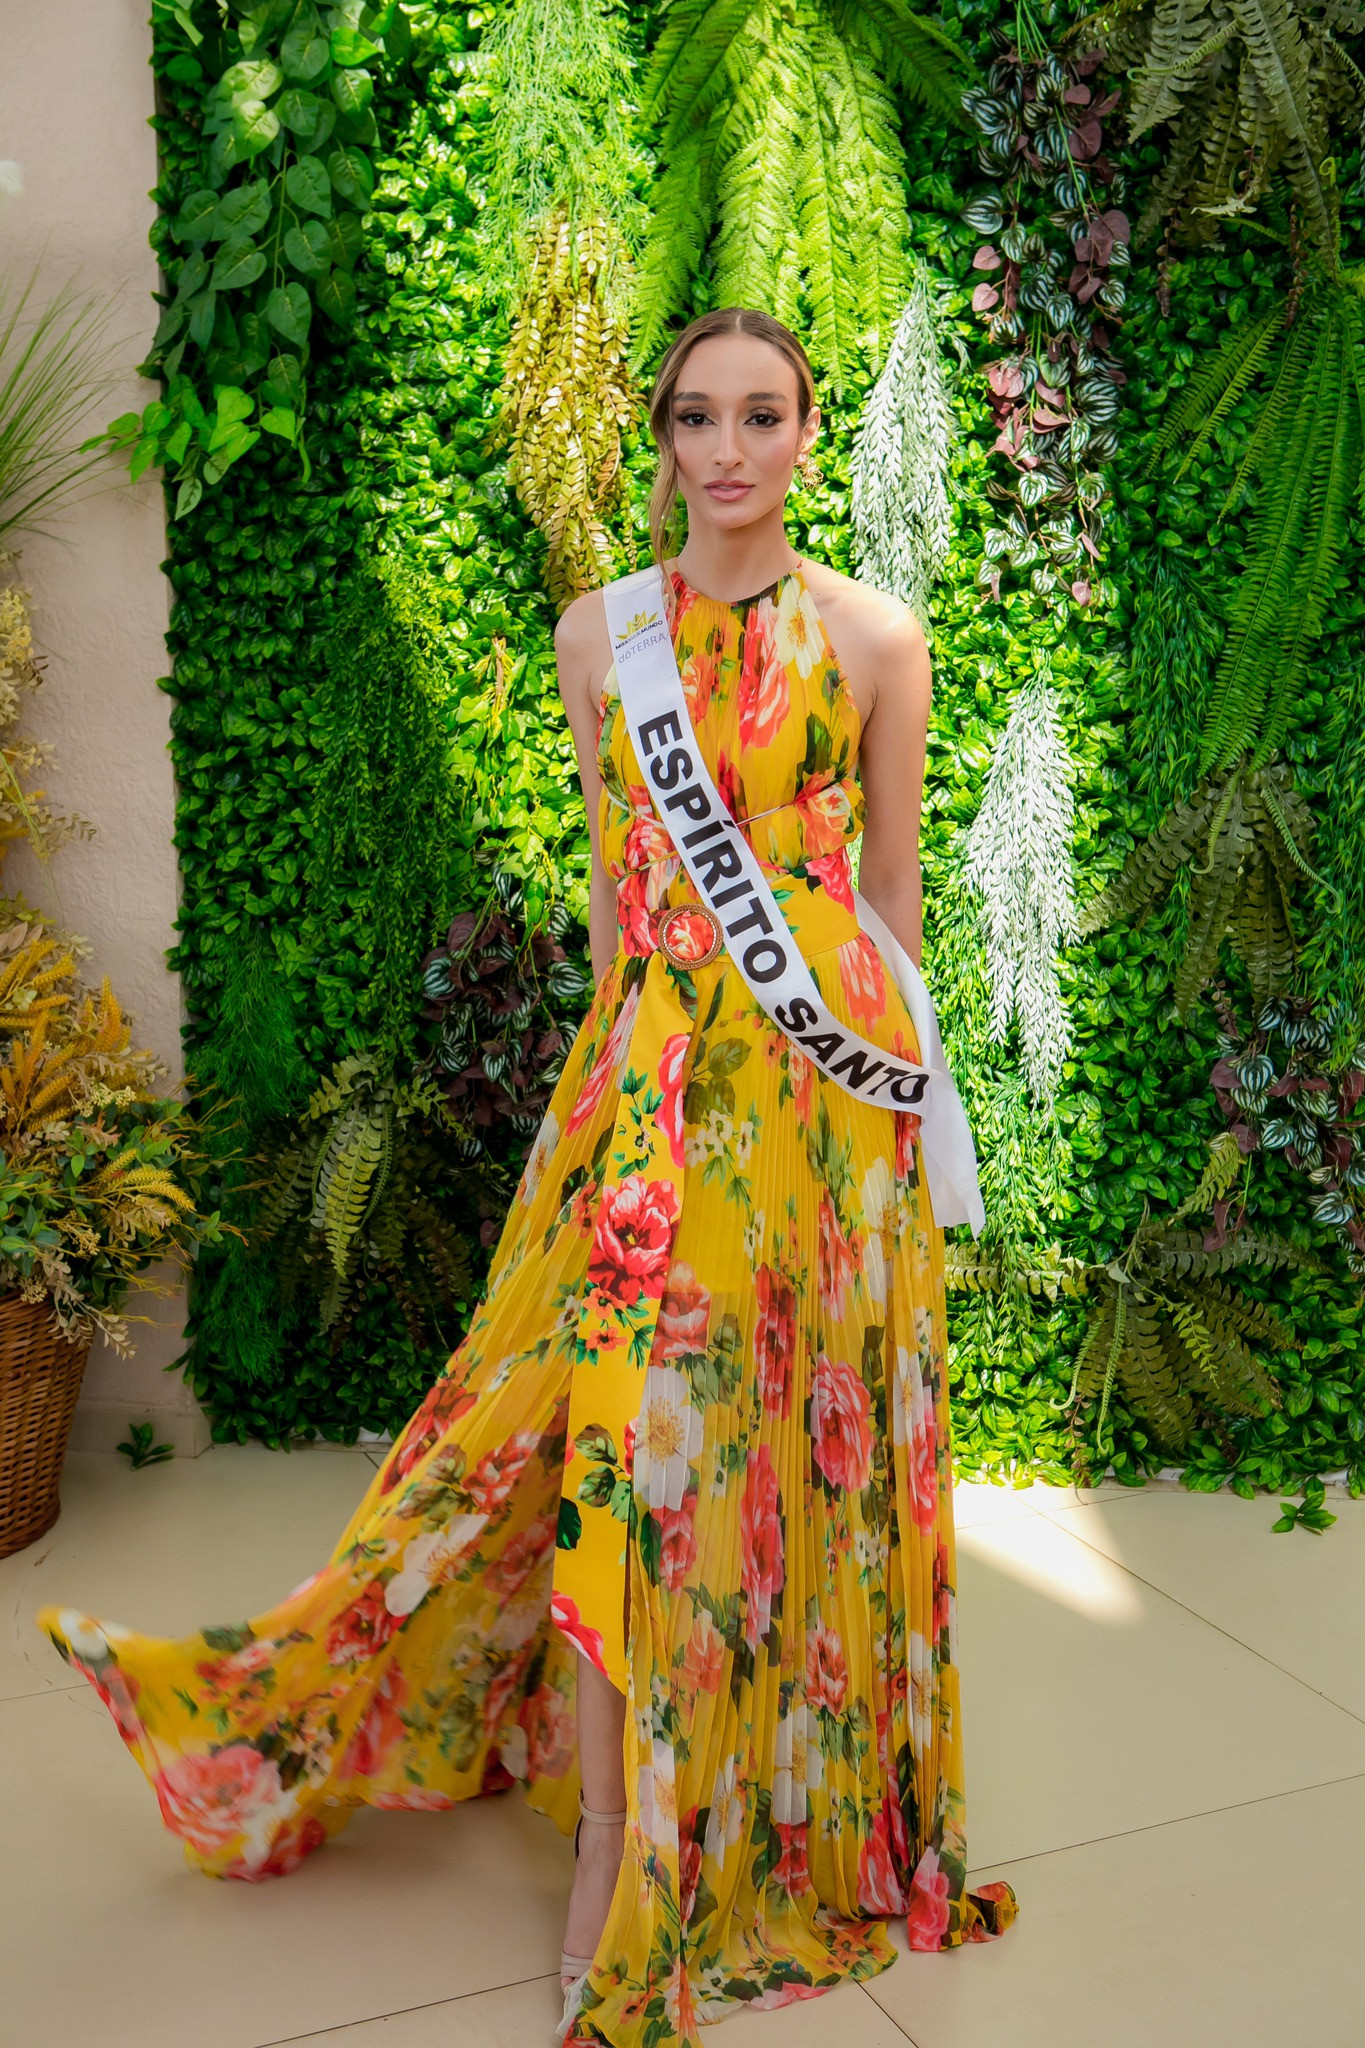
{"x":737,"y":604}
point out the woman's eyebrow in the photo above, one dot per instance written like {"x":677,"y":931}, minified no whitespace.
{"x":703,"y":397}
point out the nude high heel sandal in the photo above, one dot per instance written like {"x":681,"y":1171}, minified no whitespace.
{"x":578,"y":1967}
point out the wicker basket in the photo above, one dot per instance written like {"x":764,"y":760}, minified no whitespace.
{"x":40,"y":1377}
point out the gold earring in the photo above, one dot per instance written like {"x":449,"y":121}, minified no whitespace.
{"x":809,"y":470}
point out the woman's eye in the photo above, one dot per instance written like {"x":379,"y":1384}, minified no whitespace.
{"x":691,"y":419}
{"x":763,"y":419}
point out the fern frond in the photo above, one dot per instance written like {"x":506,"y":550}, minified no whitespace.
{"x":684,"y":208}
{"x":1150,"y":869}
{"x":347,"y":1175}
{"x":1221,"y":1168}
{"x":916,"y":54}
{"x":1279,"y":58}
{"x":1212,"y":900}
{"x":1178,"y":45}
{"x":1218,"y":386}
{"x":689,"y":72}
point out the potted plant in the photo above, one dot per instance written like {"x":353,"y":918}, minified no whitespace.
{"x":98,"y":1163}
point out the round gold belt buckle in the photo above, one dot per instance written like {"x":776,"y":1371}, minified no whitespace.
{"x":690,"y":936}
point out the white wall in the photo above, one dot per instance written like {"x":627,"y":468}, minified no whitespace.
{"x":75,"y":101}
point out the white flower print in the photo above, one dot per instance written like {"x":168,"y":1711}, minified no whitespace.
{"x":547,"y":1137}
{"x":725,"y":1821}
{"x":659,"y":1797}
{"x":800,"y":1766}
{"x":428,"y":1559}
{"x":798,"y":637}
{"x":668,"y":1435}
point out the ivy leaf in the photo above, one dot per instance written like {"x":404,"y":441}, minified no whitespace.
{"x":283,"y":384}
{"x":352,"y":91}
{"x":168,"y":326}
{"x":308,"y":248}
{"x":346,"y":239}
{"x":288,"y":310}
{"x":336,"y":297}
{"x":279,"y":420}
{"x":239,"y":264}
{"x":243,"y":211}
{"x":304,"y":52}
{"x":299,"y":110}
{"x":353,"y":175}
{"x":188,"y":496}
{"x":254,"y":127}
{"x":194,"y":221}
{"x":232,"y":404}
{"x":193,"y":276}
{"x":203,"y":313}
{"x":308,"y":185}
{"x":350,"y":47}
{"x":250,"y":81}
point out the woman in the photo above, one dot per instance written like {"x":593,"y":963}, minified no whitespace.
{"x":671,"y":1541}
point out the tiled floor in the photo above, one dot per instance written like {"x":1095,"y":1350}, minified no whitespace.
{"x":1165,"y":1710}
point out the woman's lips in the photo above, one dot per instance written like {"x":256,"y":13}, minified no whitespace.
{"x":728,"y":492}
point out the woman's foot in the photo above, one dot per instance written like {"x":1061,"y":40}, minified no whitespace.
{"x":601,"y":1843}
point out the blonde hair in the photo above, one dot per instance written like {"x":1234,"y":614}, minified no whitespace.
{"x":725,"y":320}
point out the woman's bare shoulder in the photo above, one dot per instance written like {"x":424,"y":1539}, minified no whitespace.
{"x":876,"y":617}
{"x":583,"y":646}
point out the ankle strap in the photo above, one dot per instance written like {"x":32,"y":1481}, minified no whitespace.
{"x":606,"y":1819}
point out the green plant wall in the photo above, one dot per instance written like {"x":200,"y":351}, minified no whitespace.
{"x":404,"y":469}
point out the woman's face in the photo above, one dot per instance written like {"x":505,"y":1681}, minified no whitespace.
{"x":737,"y":430}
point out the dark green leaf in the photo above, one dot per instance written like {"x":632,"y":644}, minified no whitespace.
{"x":288,"y":310}
{"x":308,"y":185}
{"x":254,"y":80}
{"x":239,"y":264}
{"x":194,"y":222}
{"x":346,"y":239}
{"x":350,"y":47}
{"x":352,"y":91}
{"x":243,"y":211}
{"x":203,"y":312}
{"x":353,"y":175}
{"x":570,"y":1527}
{"x":304,"y":53}
{"x":299,"y":110}
{"x":308,"y":248}
{"x":254,"y":128}
{"x":336,"y":297}
{"x":283,"y":384}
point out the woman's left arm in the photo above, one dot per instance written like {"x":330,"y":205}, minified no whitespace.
{"x":891,"y":766}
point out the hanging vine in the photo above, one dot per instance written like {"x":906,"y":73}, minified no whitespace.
{"x":1056,"y":395}
{"x":265,"y":231}
{"x":899,"y":500}
{"x":556,"y":235}
{"x":1018,"y":864}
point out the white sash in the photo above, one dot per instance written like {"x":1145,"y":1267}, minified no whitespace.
{"x":729,"y":881}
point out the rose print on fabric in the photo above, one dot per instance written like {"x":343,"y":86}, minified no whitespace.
{"x":841,"y":1424}
{"x":763,"y":1570}
{"x":632,"y":1238}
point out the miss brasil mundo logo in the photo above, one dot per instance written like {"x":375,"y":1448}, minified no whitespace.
{"x":639,"y":624}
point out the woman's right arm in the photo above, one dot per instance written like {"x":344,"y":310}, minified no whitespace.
{"x":583,"y":656}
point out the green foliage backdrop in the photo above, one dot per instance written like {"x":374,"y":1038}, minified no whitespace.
{"x":283,"y":978}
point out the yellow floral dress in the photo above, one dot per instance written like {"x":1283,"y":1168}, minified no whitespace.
{"x":698,"y":1433}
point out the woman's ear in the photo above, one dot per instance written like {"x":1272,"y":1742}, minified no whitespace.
{"x":809,"y":433}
